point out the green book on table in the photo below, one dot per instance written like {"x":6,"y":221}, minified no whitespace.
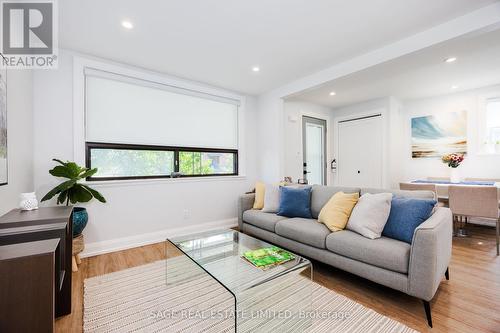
{"x":268,"y":256}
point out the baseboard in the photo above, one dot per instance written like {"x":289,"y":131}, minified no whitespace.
{"x":118,"y":244}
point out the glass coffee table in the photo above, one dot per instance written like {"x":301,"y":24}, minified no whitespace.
{"x":277,"y":299}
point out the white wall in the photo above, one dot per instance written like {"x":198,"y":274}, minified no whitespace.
{"x":19,"y":138}
{"x":137,"y":212}
{"x":292,"y":119}
{"x":476,"y":165}
{"x":270,"y":138}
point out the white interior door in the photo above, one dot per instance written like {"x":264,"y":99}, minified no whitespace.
{"x":314,"y":150}
{"x":360,"y":150}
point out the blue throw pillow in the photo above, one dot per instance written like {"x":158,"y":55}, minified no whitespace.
{"x":295,"y":202}
{"x":406,"y":215}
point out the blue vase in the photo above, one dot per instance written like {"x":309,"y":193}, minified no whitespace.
{"x":80,"y":219}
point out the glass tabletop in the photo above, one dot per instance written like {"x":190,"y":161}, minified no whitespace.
{"x":220,"y":253}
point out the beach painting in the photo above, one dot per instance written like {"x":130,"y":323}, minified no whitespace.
{"x":439,"y":134}
{"x":3,"y":127}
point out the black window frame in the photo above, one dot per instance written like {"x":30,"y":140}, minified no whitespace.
{"x":98,"y":145}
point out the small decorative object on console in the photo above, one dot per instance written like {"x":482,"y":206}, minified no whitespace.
{"x":28,"y":201}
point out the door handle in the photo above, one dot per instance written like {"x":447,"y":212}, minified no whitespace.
{"x":359,"y":172}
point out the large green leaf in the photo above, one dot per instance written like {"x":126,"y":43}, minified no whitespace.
{"x":78,"y":193}
{"x":88,"y":173}
{"x":74,"y":168}
{"x":59,"y":161}
{"x":62,"y":171}
{"x":61,"y":187}
{"x":62,"y":197}
{"x":96,"y":194}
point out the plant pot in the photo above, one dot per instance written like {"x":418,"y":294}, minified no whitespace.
{"x":80,"y":219}
{"x":497,"y":148}
{"x":455,"y":175}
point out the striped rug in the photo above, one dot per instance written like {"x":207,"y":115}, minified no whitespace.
{"x":139,"y":299}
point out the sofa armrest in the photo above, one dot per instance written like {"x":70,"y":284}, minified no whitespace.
{"x":244,"y":203}
{"x":430,"y":254}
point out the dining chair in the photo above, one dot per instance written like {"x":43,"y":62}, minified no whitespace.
{"x":496,"y":180}
{"x":421,"y":187}
{"x":475,"y":201}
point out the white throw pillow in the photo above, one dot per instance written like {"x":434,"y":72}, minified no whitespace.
{"x":369,"y":216}
{"x":271,"y":199}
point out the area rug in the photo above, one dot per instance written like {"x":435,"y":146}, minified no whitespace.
{"x":140,"y":299}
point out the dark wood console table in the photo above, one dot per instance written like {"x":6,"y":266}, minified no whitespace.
{"x":27,"y":275}
{"x":45,"y":223}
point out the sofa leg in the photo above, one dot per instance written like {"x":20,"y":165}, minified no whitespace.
{"x":447,"y":273}
{"x":427,"y":307}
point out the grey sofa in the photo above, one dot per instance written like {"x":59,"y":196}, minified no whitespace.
{"x":415,"y":269}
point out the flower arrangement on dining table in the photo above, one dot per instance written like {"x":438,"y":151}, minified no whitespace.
{"x":453,"y":160}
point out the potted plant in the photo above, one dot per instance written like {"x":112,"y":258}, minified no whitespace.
{"x":71,"y":191}
{"x":453,"y":161}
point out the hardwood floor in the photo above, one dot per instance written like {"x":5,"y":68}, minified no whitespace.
{"x":469,"y":302}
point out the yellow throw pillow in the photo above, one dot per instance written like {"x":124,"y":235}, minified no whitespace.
{"x":337,"y":210}
{"x":260,"y":191}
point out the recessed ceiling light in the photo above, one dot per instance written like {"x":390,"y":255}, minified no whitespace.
{"x":450,"y":59}
{"x":127,"y":25}
{"x":333,"y":93}
{"x":256,"y":69}
{"x":454,"y":87}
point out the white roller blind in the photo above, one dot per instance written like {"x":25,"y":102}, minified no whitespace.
{"x":125,"y":110}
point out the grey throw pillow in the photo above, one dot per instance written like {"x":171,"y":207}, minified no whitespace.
{"x":369,"y":216}
{"x":271,"y":199}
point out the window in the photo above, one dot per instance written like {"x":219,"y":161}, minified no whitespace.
{"x":493,"y":121}
{"x":206,"y":163}
{"x":139,"y":129}
{"x":113,"y":161}
{"x":117,"y":161}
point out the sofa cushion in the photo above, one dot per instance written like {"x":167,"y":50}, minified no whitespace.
{"x":337,"y":210}
{"x":370,"y":215}
{"x":271,"y":198}
{"x":406,"y":215}
{"x":382,"y":252}
{"x":306,"y":231}
{"x":265,"y":221}
{"x":321,"y":194}
{"x":260,"y":190}
{"x":295,"y":201}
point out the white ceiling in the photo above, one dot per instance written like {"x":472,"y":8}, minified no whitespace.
{"x":420,"y":74}
{"x":218,"y":42}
